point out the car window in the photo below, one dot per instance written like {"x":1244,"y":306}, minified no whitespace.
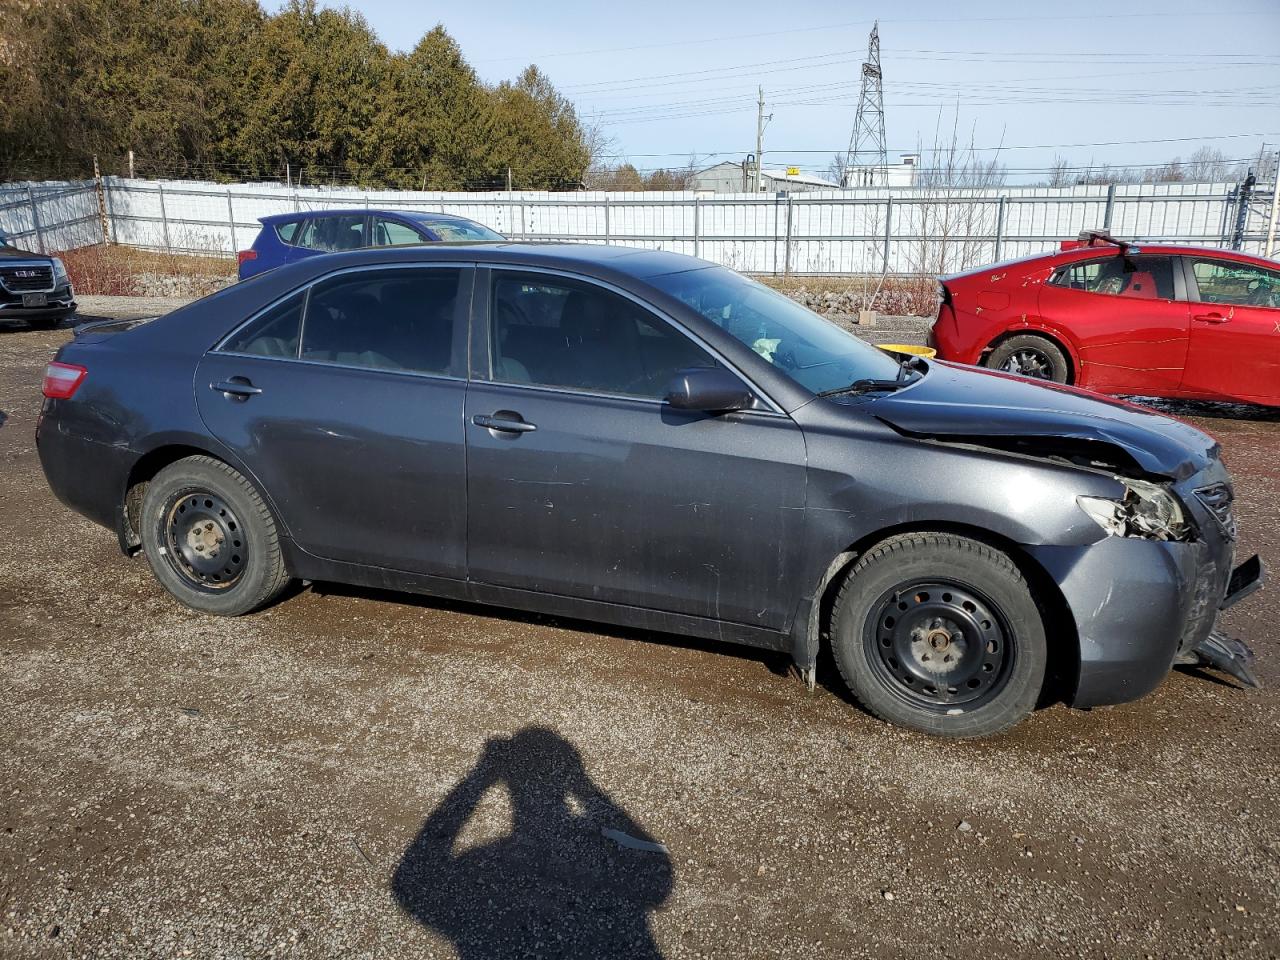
{"x":391,"y":319}
{"x":563,"y":333}
{"x":274,"y":334}
{"x":391,"y":233}
{"x":1240,"y":284}
{"x":1140,"y":277}
{"x":333,"y":233}
{"x":287,"y":231}
{"x":814,"y":352}
{"x":460,"y":230}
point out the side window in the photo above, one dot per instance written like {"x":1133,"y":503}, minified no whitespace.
{"x":400,"y":319}
{"x":562,"y":333}
{"x":391,"y":233}
{"x":333,"y":233}
{"x":1140,"y":277}
{"x":1239,"y":284}
{"x":288,"y":231}
{"x":274,"y":334}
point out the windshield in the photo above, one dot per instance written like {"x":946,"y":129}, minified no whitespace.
{"x":460,"y":230}
{"x":814,"y":352}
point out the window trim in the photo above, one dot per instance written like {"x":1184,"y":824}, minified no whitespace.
{"x":482,"y":372}
{"x":458,"y":358}
{"x":1193,"y":284}
{"x":301,"y":221}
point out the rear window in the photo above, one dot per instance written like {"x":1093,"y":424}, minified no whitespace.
{"x":460,"y":230}
{"x":274,"y":334}
{"x":287,"y":231}
{"x":1139,"y":277}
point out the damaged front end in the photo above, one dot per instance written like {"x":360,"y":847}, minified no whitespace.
{"x":1218,"y":651}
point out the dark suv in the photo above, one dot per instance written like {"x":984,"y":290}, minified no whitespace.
{"x":33,"y":287}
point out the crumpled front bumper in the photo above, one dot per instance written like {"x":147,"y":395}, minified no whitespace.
{"x":1138,"y":606}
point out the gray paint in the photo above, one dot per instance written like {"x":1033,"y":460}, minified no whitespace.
{"x":629,"y":511}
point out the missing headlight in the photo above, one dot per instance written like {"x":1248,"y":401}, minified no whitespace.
{"x":1147,"y":511}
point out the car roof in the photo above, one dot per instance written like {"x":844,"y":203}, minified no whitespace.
{"x":590,"y":258}
{"x":419,"y":215}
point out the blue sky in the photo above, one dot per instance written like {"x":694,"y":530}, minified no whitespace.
{"x":668,"y":80}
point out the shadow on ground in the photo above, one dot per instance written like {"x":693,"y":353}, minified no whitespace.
{"x":573,"y":876}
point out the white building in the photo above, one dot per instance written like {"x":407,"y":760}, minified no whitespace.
{"x":900,"y":174}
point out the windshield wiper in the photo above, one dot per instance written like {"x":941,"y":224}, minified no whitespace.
{"x":871,"y":384}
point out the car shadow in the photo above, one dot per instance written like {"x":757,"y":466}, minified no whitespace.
{"x":3,"y":417}
{"x":574,"y":876}
{"x":1209,"y":410}
{"x":775,"y":661}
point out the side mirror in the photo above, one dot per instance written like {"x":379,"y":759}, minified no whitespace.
{"x":710,"y":389}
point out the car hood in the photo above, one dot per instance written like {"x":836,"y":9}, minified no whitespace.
{"x":988,"y":408}
{"x":13,"y":253}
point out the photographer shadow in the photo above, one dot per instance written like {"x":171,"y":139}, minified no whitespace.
{"x":556,"y":885}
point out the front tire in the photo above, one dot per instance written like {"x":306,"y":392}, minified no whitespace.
{"x":941,"y":634}
{"x":1031,"y":356}
{"x":210,"y":539}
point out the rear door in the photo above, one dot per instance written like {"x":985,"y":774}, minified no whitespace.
{"x":345,"y":400}
{"x":590,"y":486}
{"x":1235,"y":330}
{"x":1127,"y":320}
{"x":330,"y":233}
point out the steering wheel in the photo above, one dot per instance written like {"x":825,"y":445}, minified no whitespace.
{"x":1261,"y":293}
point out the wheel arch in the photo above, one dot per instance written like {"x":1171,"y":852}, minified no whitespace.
{"x":1063,"y":666}
{"x":159,"y":455}
{"x":1054,"y":336}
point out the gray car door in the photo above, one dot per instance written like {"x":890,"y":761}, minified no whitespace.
{"x":345,"y":400}
{"x":582,"y":482}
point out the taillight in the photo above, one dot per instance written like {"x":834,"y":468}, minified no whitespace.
{"x":244,"y":256}
{"x":61,"y":380}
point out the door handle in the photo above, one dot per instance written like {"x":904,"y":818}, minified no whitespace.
{"x":237,"y":388}
{"x":503,"y":424}
{"x":1211,"y":318}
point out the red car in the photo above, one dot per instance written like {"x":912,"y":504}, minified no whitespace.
{"x":1123,"y":318}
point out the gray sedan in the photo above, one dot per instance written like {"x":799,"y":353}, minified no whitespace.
{"x":647,"y":439}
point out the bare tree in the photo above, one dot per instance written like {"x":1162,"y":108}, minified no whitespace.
{"x":1060,"y":172}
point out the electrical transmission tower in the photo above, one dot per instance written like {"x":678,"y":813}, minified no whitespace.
{"x":867,"y":159}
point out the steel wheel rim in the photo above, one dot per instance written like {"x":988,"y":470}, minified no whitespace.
{"x":204,"y":541}
{"x":939,"y":645}
{"x":1029,"y":362}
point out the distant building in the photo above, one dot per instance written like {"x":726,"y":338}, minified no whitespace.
{"x":900,"y":174}
{"x":736,"y":177}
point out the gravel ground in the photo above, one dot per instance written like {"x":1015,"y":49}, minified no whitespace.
{"x":358,"y":774}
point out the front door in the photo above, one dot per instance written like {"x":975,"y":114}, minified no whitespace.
{"x":352,"y":421}
{"x":582,"y":482}
{"x":1126,"y":318}
{"x":1235,"y":331}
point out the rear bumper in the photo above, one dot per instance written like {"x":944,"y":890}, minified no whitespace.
{"x":87,"y":475}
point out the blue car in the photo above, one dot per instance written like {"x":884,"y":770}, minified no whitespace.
{"x":288,"y":237}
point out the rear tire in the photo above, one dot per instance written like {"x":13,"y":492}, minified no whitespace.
{"x":1031,"y":356}
{"x":210,"y":539}
{"x":941,"y":634}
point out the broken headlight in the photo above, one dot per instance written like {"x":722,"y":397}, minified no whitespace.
{"x":1147,"y":510}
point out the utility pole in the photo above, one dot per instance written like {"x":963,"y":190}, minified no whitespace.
{"x":867,"y":143}
{"x":761,"y":120}
{"x":1275,"y":208}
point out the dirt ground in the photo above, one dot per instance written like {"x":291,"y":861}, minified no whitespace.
{"x":356,"y":774}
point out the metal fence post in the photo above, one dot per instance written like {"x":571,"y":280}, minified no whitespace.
{"x":786,"y":262}
{"x":697,"y":216}
{"x":164,"y":220}
{"x":231,"y":221}
{"x":1110,"y":207}
{"x":35,"y":218}
{"x":607,"y":235}
{"x":888,"y":228}
{"x":1000,"y":228}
